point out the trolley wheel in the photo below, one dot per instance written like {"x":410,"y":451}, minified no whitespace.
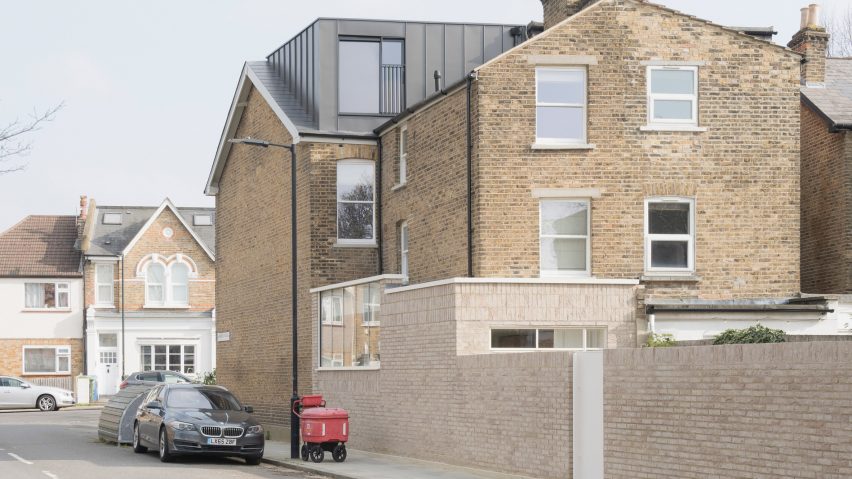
{"x":304,"y":452}
{"x":339,"y":453}
{"x":317,"y":454}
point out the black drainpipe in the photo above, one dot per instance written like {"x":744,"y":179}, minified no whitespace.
{"x":469,"y":179}
{"x":379,"y":204}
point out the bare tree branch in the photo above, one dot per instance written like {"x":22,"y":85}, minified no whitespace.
{"x":838,"y":24}
{"x":12,"y":142}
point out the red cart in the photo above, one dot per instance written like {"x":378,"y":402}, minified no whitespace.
{"x":323,"y":429}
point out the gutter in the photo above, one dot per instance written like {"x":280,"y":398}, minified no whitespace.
{"x":833,"y":126}
{"x":721,"y":308}
{"x":469,"y":153}
{"x":379,"y":235}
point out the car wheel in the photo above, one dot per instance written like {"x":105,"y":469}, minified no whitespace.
{"x":253,"y":460}
{"x":46,"y":403}
{"x":165,"y":455}
{"x":137,"y":443}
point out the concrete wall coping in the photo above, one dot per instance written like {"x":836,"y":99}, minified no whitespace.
{"x":596,"y":281}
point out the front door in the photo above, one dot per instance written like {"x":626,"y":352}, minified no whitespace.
{"x":108,"y":373}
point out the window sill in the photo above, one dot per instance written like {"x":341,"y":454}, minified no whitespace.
{"x":669,"y":278}
{"x":354,"y":245}
{"x":398,"y":186}
{"x":688,"y":128}
{"x":46,"y":310}
{"x":104,"y":306}
{"x":562,"y":146}
{"x":349,"y":368}
{"x":168,"y":306}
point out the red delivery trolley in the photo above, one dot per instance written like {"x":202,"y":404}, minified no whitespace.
{"x":323,"y":429}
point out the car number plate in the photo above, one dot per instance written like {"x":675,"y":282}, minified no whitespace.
{"x":218,"y":441}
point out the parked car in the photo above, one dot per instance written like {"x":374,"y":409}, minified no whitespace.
{"x":15,"y":393}
{"x":181,"y":419}
{"x":152,"y":378}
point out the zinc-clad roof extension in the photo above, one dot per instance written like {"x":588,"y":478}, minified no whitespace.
{"x":40,"y":246}
{"x":834,"y":102}
{"x":111,"y":239}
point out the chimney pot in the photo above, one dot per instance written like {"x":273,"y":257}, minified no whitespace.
{"x":813,"y":15}
{"x":803,"y":23}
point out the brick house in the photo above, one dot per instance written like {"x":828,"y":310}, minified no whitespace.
{"x":41,"y":301}
{"x":149,"y":290}
{"x":615,"y":174}
{"x":826,"y":155}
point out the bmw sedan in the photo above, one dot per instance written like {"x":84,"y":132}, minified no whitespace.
{"x":177,"y":419}
{"x":15,"y":393}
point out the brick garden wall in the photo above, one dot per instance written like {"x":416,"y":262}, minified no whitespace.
{"x":826,"y":198}
{"x":758,"y":411}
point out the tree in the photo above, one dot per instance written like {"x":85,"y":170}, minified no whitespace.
{"x":13,"y":142}
{"x":838,"y":24}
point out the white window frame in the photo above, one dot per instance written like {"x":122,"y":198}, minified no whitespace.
{"x":170,"y":296}
{"x":671,"y":96}
{"x":109,"y":301}
{"x":584,"y":106}
{"x":585,"y":330}
{"x":689,"y":238}
{"x":338,"y":202}
{"x":404,"y":239}
{"x":168,"y":292}
{"x":336,"y":302}
{"x":61,"y":351}
{"x":167,"y":345}
{"x":551,"y":273}
{"x":403,"y":155}
{"x":58,"y":287}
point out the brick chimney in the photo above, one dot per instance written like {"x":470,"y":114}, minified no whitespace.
{"x":557,"y":10}
{"x":84,"y":208}
{"x":812,"y":41}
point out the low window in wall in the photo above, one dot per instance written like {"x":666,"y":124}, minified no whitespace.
{"x":47,"y":359}
{"x":168,"y":357}
{"x":548,"y":338}
{"x":47,"y":295}
{"x":349,"y":326}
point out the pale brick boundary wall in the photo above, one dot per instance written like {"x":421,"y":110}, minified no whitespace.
{"x":757,"y":411}
{"x":504,"y":412}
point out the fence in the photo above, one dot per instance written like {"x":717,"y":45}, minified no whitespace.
{"x":64,"y":382}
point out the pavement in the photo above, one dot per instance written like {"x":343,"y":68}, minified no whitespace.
{"x":369,"y":465}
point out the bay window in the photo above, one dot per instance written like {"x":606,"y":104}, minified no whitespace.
{"x":564,"y":237}
{"x":350,"y":327}
{"x":47,"y":295}
{"x":669,"y":235}
{"x":356,"y":202}
{"x":673,"y":95}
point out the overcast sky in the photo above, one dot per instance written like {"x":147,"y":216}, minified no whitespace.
{"x":147,"y":84}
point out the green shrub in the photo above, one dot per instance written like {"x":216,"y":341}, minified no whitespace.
{"x":210,"y":378}
{"x":754,"y":334}
{"x":660,"y":341}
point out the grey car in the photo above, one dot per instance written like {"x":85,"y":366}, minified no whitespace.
{"x":151,"y":378}
{"x":177,"y":419}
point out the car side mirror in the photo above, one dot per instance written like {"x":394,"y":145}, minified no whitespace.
{"x":248,"y":409}
{"x":154,"y":405}
{"x":26,"y":386}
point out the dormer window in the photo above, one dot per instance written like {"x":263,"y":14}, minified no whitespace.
{"x":371,"y":76}
{"x":202,"y":220}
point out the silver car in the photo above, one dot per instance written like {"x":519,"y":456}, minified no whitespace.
{"x":15,"y":393}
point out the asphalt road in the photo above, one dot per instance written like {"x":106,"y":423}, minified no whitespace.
{"x":64,"y":445}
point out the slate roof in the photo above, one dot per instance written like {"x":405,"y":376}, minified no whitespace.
{"x":835,"y":100}
{"x":110,"y":240}
{"x":40,"y":246}
{"x":283,"y":96}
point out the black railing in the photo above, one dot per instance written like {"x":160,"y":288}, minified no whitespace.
{"x":392,"y":89}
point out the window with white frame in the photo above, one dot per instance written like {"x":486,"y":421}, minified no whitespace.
{"x":47,"y":360}
{"x":669,"y":234}
{"x":355,"y":202}
{"x":548,"y":338}
{"x":167,"y":286}
{"x":47,"y":295}
{"x":673,"y":95}
{"x":168,"y":357}
{"x":350,"y":326}
{"x":564,"y":244}
{"x":104,"y":280}
{"x":403,"y":154}
{"x":561,"y":105}
{"x":403,"y":249}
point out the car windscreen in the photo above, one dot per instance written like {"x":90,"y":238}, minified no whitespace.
{"x":202,"y":399}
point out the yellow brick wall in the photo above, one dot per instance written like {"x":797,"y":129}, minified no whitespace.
{"x":12,"y":350}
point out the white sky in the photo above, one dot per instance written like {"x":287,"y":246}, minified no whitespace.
{"x":147,"y":84}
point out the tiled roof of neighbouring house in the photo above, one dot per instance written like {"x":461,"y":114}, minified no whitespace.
{"x":40,"y":246}
{"x":835,"y":100}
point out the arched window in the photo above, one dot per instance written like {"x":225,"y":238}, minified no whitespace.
{"x":155,"y":283}
{"x":179,"y":283}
